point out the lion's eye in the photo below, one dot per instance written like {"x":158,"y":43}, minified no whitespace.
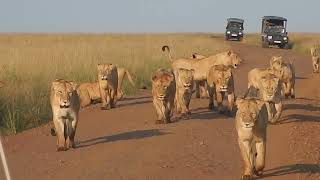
{"x":60,"y":92}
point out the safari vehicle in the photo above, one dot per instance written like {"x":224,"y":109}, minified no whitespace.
{"x":273,"y":32}
{"x":234,"y":29}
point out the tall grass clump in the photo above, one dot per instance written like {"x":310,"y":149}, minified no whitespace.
{"x":30,"y":62}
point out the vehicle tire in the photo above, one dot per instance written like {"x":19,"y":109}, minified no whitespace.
{"x":265,"y":44}
{"x":240,"y":38}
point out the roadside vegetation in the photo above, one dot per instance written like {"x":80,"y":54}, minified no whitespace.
{"x":29,"y":62}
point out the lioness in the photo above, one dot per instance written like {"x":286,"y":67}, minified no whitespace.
{"x":122,"y":72}
{"x":286,"y":73}
{"x":315,"y":54}
{"x":269,"y":88}
{"x":220,"y":82}
{"x":251,"y":124}
{"x":201,"y":86}
{"x":108,"y":84}
{"x":163,"y":93}
{"x":184,"y":87}
{"x":89,"y":93}
{"x":65,"y":106}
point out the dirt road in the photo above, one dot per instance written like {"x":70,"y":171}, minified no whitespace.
{"x":125,"y":144}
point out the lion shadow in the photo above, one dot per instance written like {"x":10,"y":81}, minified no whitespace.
{"x":138,"y":134}
{"x":291,"y":169}
{"x":308,"y":107}
{"x":299,"y":118}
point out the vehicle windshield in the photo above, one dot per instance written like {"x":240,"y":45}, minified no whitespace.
{"x":234,"y":25}
{"x":275,"y":29}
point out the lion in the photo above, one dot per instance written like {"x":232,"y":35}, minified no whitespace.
{"x":220,"y":83}
{"x":108,"y":85}
{"x":163,"y":93}
{"x":286,"y":73}
{"x":122,"y":72}
{"x":89,"y":93}
{"x":184,"y":87}
{"x":251,"y":125}
{"x":65,"y":106}
{"x":315,"y":54}
{"x":201,"y":66}
{"x":268,"y":85}
{"x":201,"y":86}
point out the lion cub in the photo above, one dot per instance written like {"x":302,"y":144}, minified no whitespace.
{"x":251,"y":124}
{"x":163,"y":93}
{"x":220,"y":82}
{"x":65,"y":106}
{"x":108,"y":84}
{"x":315,"y":54}
{"x":184,"y":88}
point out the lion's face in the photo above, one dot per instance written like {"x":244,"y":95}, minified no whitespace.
{"x":248,"y":111}
{"x":105,"y":71}
{"x":276,"y":63}
{"x":161,"y":84}
{"x":223,"y":75}
{"x":186,"y":78}
{"x":270,"y":84}
{"x":63,"y":92}
{"x":234,"y":58}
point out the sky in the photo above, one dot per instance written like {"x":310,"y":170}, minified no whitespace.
{"x":152,"y":15}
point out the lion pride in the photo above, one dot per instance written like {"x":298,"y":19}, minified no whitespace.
{"x":65,"y":106}
{"x":163,"y":93}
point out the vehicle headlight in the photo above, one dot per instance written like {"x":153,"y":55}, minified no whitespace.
{"x":240,"y":33}
{"x":285,"y":38}
{"x":269,"y":37}
{"x":228,"y":32}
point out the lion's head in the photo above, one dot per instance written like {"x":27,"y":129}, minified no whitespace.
{"x":222,"y":75}
{"x":233,"y":58}
{"x":185,"y":78}
{"x":276,"y":63}
{"x":248,"y":111}
{"x":62,"y":91}
{"x":105,"y":71}
{"x":162,"y":83}
{"x":269,"y":87}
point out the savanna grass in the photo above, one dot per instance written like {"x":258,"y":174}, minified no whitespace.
{"x":30,"y":62}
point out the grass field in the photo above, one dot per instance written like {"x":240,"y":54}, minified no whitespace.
{"x":29,"y":62}
{"x":300,"y":42}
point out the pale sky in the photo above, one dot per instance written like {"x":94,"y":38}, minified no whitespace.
{"x":152,"y":15}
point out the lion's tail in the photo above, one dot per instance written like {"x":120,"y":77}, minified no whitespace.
{"x":130,"y":78}
{"x":164,"y":48}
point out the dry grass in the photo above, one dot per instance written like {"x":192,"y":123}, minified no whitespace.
{"x":29,"y":62}
{"x":300,"y":42}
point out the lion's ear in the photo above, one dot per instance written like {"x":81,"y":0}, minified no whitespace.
{"x":230,"y":52}
{"x":74,"y":85}
{"x":239,"y":101}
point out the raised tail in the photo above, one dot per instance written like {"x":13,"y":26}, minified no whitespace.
{"x":130,"y":78}
{"x":164,"y":48}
